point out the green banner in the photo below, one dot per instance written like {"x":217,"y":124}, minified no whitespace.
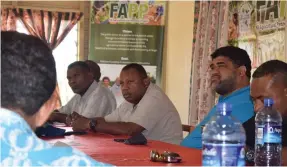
{"x":125,"y":32}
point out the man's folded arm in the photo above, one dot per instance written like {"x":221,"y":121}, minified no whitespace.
{"x":118,"y":128}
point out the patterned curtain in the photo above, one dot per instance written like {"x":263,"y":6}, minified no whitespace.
{"x":8,"y":20}
{"x":211,"y":25}
{"x":51,"y":27}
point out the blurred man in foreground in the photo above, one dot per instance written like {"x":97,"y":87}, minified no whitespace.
{"x":28,"y":79}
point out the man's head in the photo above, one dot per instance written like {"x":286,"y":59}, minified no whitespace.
{"x":95,"y":69}
{"x":118,"y":81}
{"x":106,"y":81}
{"x":134,"y":82}
{"x":230,"y":69}
{"x":270,"y":80}
{"x":79,"y":77}
{"x":28,"y":76}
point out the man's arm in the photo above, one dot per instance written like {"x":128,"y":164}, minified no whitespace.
{"x":58,"y":117}
{"x":114,"y":128}
{"x":118,"y":128}
{"x":60,"y":114}
{"x":98,"y":106}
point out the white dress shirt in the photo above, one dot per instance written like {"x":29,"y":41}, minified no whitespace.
{"x":117,"y":92}
{"x":155,"y":112}
{"x":98,"y":101}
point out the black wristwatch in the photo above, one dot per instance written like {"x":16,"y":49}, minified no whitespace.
{"x":93,"y":124}
{"x":249,"y":156}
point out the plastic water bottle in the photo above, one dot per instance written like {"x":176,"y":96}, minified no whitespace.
{"x":223,"y":139}
{"x":268,"y":124}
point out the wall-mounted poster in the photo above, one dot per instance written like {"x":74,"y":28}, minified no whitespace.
{"x":124,"y":32}
{"x":245,"y":19}
{"x":270,"y":16}
{"x":262,"y":29}
{"x":233,"y":23}
{"x":249,"y":46}
{"x":271,"y":46}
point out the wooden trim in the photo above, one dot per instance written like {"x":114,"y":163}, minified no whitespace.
{"x":41,"y":8}
{"x":187,"y":128}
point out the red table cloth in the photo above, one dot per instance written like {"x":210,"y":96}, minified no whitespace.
{"x":102,"y":147}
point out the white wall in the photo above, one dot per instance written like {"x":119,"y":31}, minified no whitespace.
{"x":178,"y":55}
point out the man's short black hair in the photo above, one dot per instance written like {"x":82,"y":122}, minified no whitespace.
{"x":272,"y":68}
{"x":95,"y":68}
{"x":80,"y":64}
{"x":140,"y":69}
{"x":238,"y":57}
{"x":104,"y":78}
{"x":28,"y":72}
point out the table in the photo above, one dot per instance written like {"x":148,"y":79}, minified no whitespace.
{"x":102,"y":147}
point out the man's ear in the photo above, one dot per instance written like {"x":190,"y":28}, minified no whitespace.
{"x":242,"y":71}
{"x":91,"y":75}
{"x":47,"y":108}
{"x":285,"y":91}
{"x":146,"y":81}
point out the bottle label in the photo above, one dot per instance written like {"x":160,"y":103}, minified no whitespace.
{"x":223,"y":154}
{"x":268,"y":133}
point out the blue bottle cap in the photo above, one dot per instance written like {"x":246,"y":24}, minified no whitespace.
{"x":268,"y":102}
{"x":224,"y":108}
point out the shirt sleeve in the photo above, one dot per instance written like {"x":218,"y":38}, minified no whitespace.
{"x":147,"y":114}
{"x":98,"y":106}
{"x":243,"y":111}
{"x":68,"y":108}
{"x":114,"y":116}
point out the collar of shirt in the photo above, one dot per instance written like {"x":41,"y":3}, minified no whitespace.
{"x":150,"y":87}
{"x":235,"y":93}
{"x":230,"y":99}
{"x":92,"y":87}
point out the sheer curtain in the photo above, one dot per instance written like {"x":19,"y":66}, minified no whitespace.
{"x":211,"y":21}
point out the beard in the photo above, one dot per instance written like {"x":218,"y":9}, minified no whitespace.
{"x":226,"y":86}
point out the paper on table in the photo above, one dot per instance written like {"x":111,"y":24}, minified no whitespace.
{"x":61,"y":144}
{"x":58,"y":124}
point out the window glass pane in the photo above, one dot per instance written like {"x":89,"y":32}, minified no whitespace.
{"x":64,"y":54}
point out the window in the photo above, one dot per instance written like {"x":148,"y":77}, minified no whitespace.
{"x":64,"y":54}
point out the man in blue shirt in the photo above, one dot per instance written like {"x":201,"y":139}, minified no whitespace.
{"x":230,"y":78}
{"x":28,"y":79}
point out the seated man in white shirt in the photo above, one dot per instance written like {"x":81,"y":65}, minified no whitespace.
{"x":91,"y":99}
{"x":146,"y":110}
{"x":117,"y":92}
{"x":96,"y":71}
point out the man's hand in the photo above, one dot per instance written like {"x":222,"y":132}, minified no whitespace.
{"x":81,"y":123}
{"x":72,"y":117}
{"x":69,"y":120}
{"x":55,"y":116}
